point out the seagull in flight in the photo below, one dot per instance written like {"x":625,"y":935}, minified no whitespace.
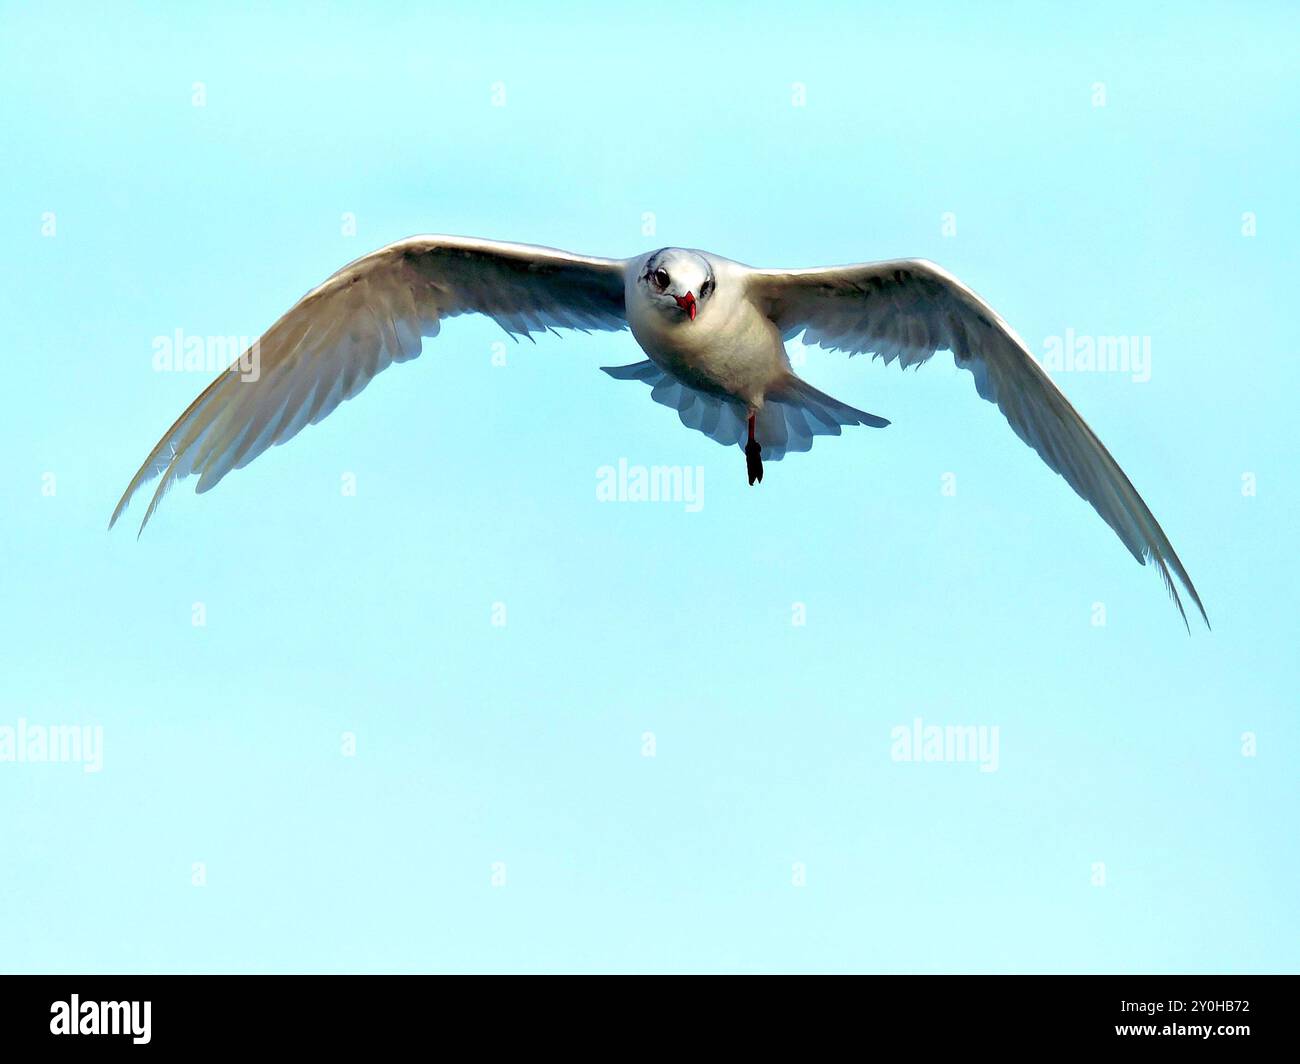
{"x":714,"y":331}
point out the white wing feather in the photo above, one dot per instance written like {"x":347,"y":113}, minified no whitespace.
{"x":367,"y":316}
{"x":907,"y":310}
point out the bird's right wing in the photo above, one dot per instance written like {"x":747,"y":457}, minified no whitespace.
{"x":367,"y":316}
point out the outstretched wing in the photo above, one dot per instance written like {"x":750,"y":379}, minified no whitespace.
{"x":370,"y":314}
{"x":909,"y":309}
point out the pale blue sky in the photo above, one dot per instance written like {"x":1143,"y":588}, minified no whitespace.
{"x":523,"y":744}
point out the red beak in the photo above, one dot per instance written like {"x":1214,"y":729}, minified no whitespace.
{"x":687,"y":303}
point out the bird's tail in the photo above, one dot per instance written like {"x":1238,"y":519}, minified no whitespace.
{"x":791,"y":416}
{"x":795,"y":412}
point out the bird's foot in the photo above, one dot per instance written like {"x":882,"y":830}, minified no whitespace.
{"x":754,"y":461}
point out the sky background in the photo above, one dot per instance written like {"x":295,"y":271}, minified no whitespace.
{"x":169,"y":168}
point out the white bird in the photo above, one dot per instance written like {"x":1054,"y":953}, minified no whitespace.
{"x":715,"y":331}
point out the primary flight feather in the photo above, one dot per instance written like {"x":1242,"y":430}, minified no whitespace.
{"x":714,"y":331}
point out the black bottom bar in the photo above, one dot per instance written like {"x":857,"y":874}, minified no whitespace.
{"x":987,"y":1013}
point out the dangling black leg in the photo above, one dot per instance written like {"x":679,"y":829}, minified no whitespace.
{"x":753,"y":455}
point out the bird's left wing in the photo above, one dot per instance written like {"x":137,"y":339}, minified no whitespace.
{"x":367,"y":316}
{"x":909,"y":309}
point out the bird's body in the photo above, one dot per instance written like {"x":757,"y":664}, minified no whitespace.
{"x":714,"y":332}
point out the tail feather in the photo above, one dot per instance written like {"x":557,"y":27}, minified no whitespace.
{"x":797,"y":412}
{"x":805,"y":395}
{"x":791,"y":416}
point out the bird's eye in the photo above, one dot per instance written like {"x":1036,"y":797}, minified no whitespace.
{"x":661,"y":278}
{"x":706,"y":289}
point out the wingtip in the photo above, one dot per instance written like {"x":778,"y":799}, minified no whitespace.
{"x":1178,"y":601}
{"x":1200,"y":606}
{"x":125,"y":500}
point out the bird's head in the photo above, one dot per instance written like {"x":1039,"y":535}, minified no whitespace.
{"x":677,"y":282}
